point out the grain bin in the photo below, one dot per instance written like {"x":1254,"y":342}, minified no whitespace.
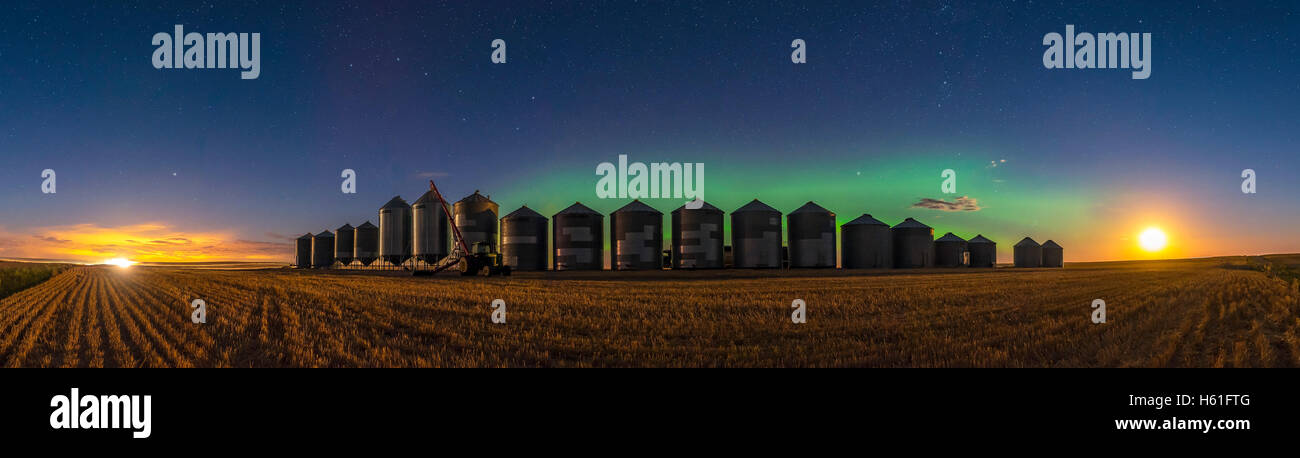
{"x":697,"y":238}
{"x":1028,"y":253}
{"x":344,"y":244}
{"x":476,"y":217}
{"x":756,"y":236}
{"x":866,"y":244}
{"x":1053,"y":255}
{"x":523,"y":240}
{"x":395,"y":231}
{"x":430,"y":230}
{"x":811,"y":236}
{"x":367,"y":245}
{"x":302,"y":253}
{"x":949,"y":251}
{"x":578,"y":237}
{"x":636,"y":234}
{"x":322,"y":250}
{"x":913,"y":245}
{"x":983,"y":252}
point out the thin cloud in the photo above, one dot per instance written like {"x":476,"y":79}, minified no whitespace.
{"x":960,"y":204}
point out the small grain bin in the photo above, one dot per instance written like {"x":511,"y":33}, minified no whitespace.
{"x":756,"y":236}
{"x":430,"y":230}
{"x":983,"y":252}
{"x":1053,"y":255}
{"x":811,"y":236}
{"x":578,"y":238}
{"x":367,"y":244}
{"x":1028,"y":253}
{"x":344,"y":244}
{"x":697,"y":238}
{"x":395,"y":231}
{"x":913,"y":245}
{"x":523,"y":240}
{"x":949,"y":251}
{"x":866,"y":244}
{"x":322,"y":250}
{"x":302,"y":252}
{"x":476,"y":217}
{"x":636,"y":237}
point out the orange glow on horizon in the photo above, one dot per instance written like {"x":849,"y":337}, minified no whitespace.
{"x":133,"y":244}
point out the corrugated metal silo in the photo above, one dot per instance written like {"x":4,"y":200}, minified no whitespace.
{"x":523,"y":239}
{"x":367,"y":247}
{"x":578,"y":236}
{"x":302,"y":252}
{"x":949,"y":251}
{"x":913,"y":245}
{"x":812,"y":236}
{"x":983,"y":252}
{"x":395,"y":231}
{"x":344,"y":244}
{"x":322,"y":250}
{"x":637,"y":237}
{"x":430,"y":230}
{"x":697,"y":238}
{"x":1028,"y":253}
{"x":756,"y":236}
{"x":476,"y":217}
{"x":1053,"y":255}
{"x":866,"y":244}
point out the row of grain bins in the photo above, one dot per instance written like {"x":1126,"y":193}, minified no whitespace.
{"x":420,"y":233}
{"x":1029,"y":253}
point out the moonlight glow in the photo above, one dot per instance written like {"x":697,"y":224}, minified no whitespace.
{"x":1153,"y":239}
{"x":120,"y":262}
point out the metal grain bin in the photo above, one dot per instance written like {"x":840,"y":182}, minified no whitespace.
{"x":1053,"y":255}
{"x":756,"y":236}
{"x":636,"y":237}
{"x":579,"y":238}
{"x":949,"y":251}
{"x":1028,"y":253}
{"x":866,"y":243}
{"x":302,"y":252}
{"x":395,"y":231}
{"x":322,"y":250}
{"x":811,"y":236}
{"x":367,"y":247}
{"x":476,"y":217}
{"x":344,"y":243}
{"x":430,"y":230}
{"x":697,"y":238}
{"x":523,"y":240}
{"x":983,"y":252}
{"x":913,"y":245}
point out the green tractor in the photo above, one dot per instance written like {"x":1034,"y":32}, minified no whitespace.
{"x":480,"y":261}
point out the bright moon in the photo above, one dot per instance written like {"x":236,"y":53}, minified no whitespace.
{"x":120,"y":262}
{"x":1152,"y":239}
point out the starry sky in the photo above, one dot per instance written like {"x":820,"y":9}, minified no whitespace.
{"x":200,"y":165}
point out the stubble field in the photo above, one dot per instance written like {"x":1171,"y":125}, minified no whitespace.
{"x":1223,"y":312}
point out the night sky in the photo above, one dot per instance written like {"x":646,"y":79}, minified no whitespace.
{"x":193,"y":165}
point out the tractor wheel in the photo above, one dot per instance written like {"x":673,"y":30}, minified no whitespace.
{"x":467,"y":266}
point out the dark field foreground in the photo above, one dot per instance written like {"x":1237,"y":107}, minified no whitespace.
{"x":1224,"y":312}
